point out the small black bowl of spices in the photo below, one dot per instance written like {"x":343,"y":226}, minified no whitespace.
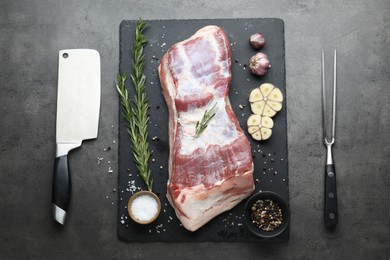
{"x":266,"y":214}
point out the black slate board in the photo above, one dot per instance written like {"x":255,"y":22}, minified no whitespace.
{"x":270,"y":157}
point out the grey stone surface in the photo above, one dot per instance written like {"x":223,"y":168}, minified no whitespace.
{"x":32,"y":32}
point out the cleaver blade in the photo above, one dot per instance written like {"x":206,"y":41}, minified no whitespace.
{"x":78,"y":106}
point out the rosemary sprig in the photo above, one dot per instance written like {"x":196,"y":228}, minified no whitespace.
{"x":135,"y":113}
{"x":202,"y":124}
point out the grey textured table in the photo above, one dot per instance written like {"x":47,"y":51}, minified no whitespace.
{"x":32,"y":32}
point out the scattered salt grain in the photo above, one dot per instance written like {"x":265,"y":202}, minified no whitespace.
{"x":144,"y":207}
{"x":99,"y":159}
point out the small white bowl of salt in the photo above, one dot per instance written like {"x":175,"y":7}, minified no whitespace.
{"x":144,"y":207}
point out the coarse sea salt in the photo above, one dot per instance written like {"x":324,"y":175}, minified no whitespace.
{"x":144,"y":207}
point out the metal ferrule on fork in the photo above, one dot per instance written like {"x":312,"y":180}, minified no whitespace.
{"x":329,"y":155}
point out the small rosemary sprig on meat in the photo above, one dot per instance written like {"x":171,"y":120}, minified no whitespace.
{"x":135,"y":113}
{"x":202,"y":124}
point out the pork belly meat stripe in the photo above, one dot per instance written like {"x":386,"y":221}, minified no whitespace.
{"x":213,"y":172}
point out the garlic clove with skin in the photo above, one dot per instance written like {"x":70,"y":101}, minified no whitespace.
{"x":254,"y":120}
{"x":267,"y":122}
{"x":257,"y":135}
{"x":277,"y":106}
{"x":252,"y":129}
{"x":266,"y":133}
{"x":266,"y":89}
{"x":255,"y":95}
{"x":259,"y":64}
{"x":257,"y":40}
{"x":268,"y":111}
{"x":276,"y":95}
{"x":258,"y":107}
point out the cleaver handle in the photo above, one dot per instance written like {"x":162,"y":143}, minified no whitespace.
{"x":61,"y":188}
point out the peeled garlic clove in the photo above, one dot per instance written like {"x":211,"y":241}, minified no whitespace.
{"x":252,"y":129}
{"x":255,"y":95}
{"x":275,"y":105}
{"x":254,"y":120}
{"x":267,"y":122}
{"x":257,"y":40}
{"x":256,"y":135}
{"x":276,"y":95}
{"x":268,"y":111}
{"x":258,"y":107}
{"x":266,"y":89}
{"x":265,"y":133}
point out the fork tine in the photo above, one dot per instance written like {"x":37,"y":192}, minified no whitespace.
{"x":334,"y":94}
{"x":323,"y":93}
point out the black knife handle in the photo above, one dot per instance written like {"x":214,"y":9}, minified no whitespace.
{"x":330,"y":210}
{"x":61,"y":183}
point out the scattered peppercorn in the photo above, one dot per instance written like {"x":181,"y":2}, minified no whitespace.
{"x":266,"y":215}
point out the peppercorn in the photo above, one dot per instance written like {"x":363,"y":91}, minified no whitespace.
{"x":266,"y":215}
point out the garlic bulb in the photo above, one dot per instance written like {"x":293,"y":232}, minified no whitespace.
{"x":257,"y":40}
{"x":259,"y":64}
{"x":260,"y":127}
{"x":266,"y":100}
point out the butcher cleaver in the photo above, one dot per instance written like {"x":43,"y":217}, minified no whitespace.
{"x":78,"y":105}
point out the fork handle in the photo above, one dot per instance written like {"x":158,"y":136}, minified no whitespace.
{"x":330,"y":209}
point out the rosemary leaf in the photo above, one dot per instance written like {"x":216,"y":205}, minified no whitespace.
{"x":135,"y":110}
{"x":203,"y":123}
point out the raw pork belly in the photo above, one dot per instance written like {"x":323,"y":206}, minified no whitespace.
{"x":212,"y":173}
